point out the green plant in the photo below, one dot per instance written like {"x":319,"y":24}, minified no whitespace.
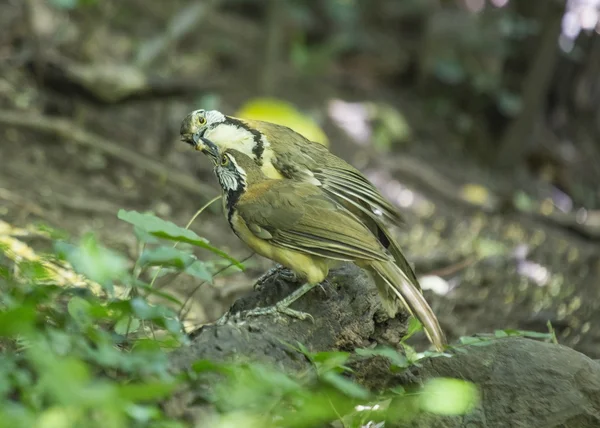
{"x":85,"y":339}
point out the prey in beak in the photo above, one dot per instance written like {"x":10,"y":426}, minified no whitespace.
{"x":207,"y":147}
{"x":201,"y":144}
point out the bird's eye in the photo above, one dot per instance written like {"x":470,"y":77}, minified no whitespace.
{"x":224,"y":161}
{"x":201,"y":120}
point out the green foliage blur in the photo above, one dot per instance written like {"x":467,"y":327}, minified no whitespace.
{"x":96,"y":354}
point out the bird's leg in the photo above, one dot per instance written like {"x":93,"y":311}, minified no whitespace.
{"x":283,"y":305}
{"x":280,"y":271}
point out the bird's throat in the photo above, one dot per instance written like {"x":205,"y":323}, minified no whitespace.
{"x":231,"y":199}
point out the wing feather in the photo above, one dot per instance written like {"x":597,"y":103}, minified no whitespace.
{"x":301,"y":217}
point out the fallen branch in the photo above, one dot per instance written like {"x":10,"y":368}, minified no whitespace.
{"x":64,"y":128}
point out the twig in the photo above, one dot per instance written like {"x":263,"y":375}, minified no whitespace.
{"x":64,"y":128}
{"x":452,"y":269}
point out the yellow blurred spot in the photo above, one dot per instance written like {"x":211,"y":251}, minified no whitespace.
{"x":283,"y":113}
{"x":446,"y":396}
{"x":547,"y":207}
{"x":475,"y":193}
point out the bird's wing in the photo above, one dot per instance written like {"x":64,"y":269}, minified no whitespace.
{"x":300,"y":159}
{"x":304,"y":160}
{"x":301,"y":217}
{"x":350,"y":185}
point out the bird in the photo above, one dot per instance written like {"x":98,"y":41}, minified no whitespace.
{"x":283,"y":153}
{"x":303,"y":228}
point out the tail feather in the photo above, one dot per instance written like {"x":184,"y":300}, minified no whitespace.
{"x":412,"y":298}
{"x":398,"y":256}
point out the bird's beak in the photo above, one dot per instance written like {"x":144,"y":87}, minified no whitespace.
{"x":207,"y":147}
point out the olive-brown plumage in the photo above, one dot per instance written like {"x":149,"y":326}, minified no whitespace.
{"x":282,"y":153}
{"x":301,"y":227}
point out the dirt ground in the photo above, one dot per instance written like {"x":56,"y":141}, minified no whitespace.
{"x":78,"y":188}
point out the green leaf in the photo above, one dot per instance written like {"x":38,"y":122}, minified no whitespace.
{"x":509,"y":103}
{"x":489,"y":248}
{"x":143,"y":236}
{"x":446,"y":396}
{"x":326,"y":361}
{"x":411,"y":354}
{"x":146,"y":391}
{"x":414,"y":326}
{"x":94,"y":261}
{"x":476,"y":341}
{"x":4,"y":272}
{"x":528,"y":333}
{"x":449,"y":71}
{"x":79,"y":309}
{"x":127,"y":325}
{"x":146,"y":311}
{"x":17,"y":320}
{"x":523,"y":202}
{"x":202,"y":366}
{"x":396,"y":358}
{"x":349,"y":388}
{"x":198,"y":269}
{"x":166,"y":256}
{"x":167,"y":296}
{"x":65,"y":4}
{"x":168,"y":230}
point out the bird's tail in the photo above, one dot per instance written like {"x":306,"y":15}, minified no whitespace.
{"x":392,"y":278}
{"x":392,"y":246}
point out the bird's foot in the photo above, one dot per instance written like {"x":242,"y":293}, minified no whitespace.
{"x":278,"y":271}
{"x":282,"y":307}
{"x":277,"y":309}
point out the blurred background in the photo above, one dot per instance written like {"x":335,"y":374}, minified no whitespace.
{"x":479,"y":118}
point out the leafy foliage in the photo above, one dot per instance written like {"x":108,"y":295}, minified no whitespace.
{"x":94,"y":352}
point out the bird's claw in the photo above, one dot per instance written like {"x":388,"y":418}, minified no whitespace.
{"x":280,"y":272}
{"x":279,"y":309}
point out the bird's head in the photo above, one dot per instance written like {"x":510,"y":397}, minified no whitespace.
{"x":198,"y":123}
{"x":224,"y":131}
{"x":235,"y":170}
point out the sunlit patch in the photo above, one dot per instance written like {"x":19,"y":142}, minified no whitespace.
{"x":361,"y":408}
{"x":581,"y":15}
{"x":588,"y":18}
{"x":406,"y":198}
{"x":571,"y":25}
{"x":561,"y":200}
{"x":393,"y":190}
{"x":534,"y":271}
{"x":475,"y":6}
{"x":582,"y":216}
{"x":436,"y":284}
{"x":499,"y":3}
{"x":353,"y":118}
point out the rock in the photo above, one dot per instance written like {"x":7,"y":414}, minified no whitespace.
{"x":523,"y":383}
